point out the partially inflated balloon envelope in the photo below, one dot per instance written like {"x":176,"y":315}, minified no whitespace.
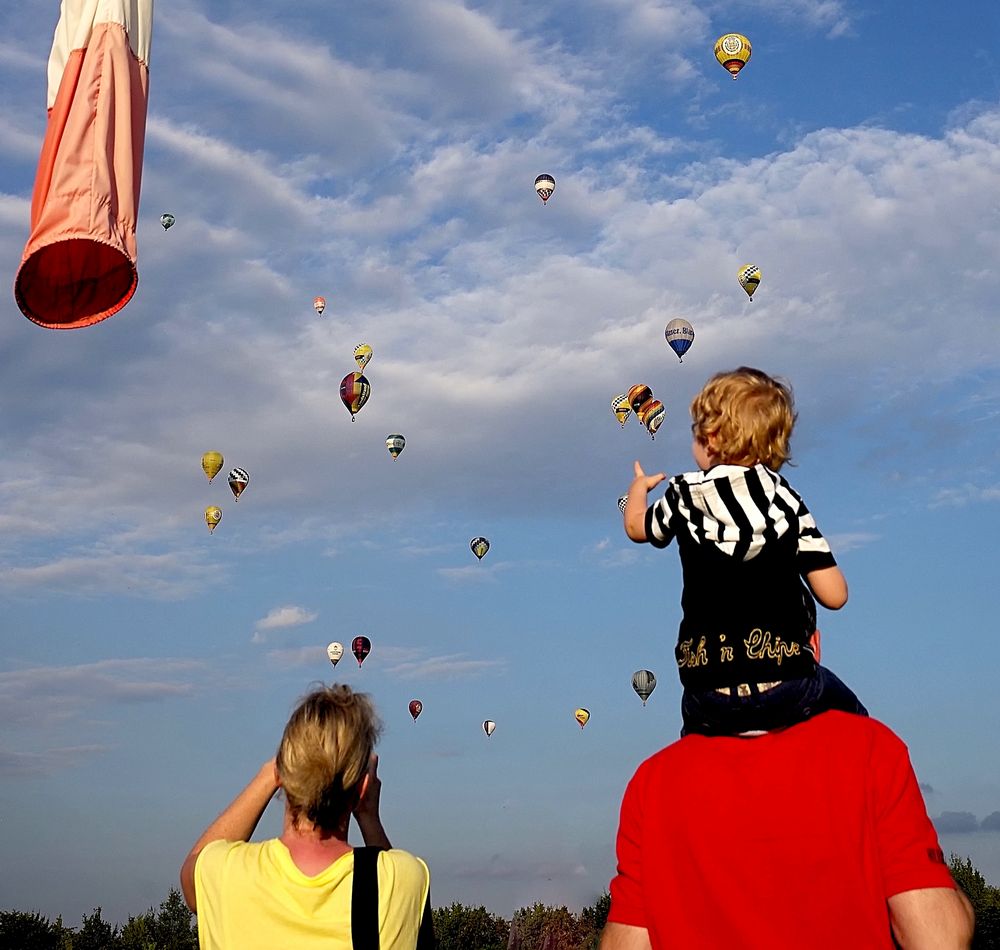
{"x":416,"y":708}
{"x":488,"y":726}
{"x":238,"y":480}
{"x":749,"y":277}
{"x":621,"y":408}
{"x":544,"y":186}
{"x":651,"y":414}
{"x":319,"y":305}
{"x":395,"y":443}
{"x":334,"y":652}
{"x":167,"y":220}
{"x":354,"y":392}
{"x":637,"y":395}
{"x":643,"y":682}
{"x":679,"y":335}
{"x":582,"y":716}
{"x":211,"y":464}
{"x":79,"y":265}
{"x":361,"y":647}
{"x":479,"y":547}
{"x":362,"y":355}
{"x":213,"y":516}
{"x":732,"y":50}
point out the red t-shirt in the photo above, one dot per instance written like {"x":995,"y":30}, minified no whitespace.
{"x":794,"y":839}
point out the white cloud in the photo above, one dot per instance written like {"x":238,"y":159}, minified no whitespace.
{"x":851,"y":541}
{"x":47,"y":762}
{"x":281,"y":618}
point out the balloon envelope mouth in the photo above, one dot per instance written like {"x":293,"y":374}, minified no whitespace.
{"x":74,"y":283}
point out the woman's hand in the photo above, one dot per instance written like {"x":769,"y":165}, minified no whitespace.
{"x":366,"y":811}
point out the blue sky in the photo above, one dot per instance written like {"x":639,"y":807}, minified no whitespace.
{"x":383,"y":157}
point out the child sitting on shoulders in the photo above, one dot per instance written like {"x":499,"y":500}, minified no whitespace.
{"x":746,"y":651}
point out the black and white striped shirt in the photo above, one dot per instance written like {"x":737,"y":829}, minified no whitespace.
{"x":745,"y":537}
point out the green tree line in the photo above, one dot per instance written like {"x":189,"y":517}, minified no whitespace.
{"x":458,"y":927}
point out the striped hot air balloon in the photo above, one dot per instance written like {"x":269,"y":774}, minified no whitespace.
{"x":238,"y":480}
{"x":643,"y":682}
{"x":544,"y":186}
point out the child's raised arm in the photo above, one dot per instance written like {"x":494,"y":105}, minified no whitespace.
{"x":635,"y":507}
{"x":829,"y":587}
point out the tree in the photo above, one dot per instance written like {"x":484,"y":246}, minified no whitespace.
{"x":469,"y":928}
{"x":174,"y":927}
{"x":985,"y":901}
{"x":544,"y":928}
{"x":592,"y":921}
{"x":95,"y":933}
{"x":139,"y":933}
{"x":23,"y":931}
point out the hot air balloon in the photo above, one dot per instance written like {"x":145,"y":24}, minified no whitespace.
{"x":643,"y":682}
{"x":395,"y":443}
{"x":479,"y":547}
{"x":732,"y":50}
{"x":416,"y":708}
{"x":213,"y":516}
{"x":582,"y":716}
{"x":319,"y":305}
{"x":622,"y":502}
{"x":238,"y":480}
{"x":488,"y":726}
{"x":361,"y":647}
{"x":637,"y":395}
{"x":354,"y":392}
{"x":679,"y":335}
{"x":545,"y":185}
{"x":749,"y":278}
{"x":167,"y":220}
{"x":211,"y":463}
{"x":621,"y":408}
{"x":335,"y":651}
{"x":362,"y":354}
{"x":651,"y":414}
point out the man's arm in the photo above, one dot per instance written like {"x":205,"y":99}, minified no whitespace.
{"x":829,"y":587}
{"x":625,"y":937}
{"x":932,"y":918}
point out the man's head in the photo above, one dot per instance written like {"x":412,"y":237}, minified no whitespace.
{"x":744,"y":417}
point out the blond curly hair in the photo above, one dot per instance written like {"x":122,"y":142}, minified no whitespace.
{"x":745,"y":417}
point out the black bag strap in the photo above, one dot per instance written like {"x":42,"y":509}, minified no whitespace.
{"x":364,"y":899}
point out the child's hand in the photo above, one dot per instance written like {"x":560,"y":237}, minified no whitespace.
{"x":635,"y":506}
{"x":648,"y":482}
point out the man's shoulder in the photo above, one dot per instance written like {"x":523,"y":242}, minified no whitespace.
{"x":403,"y":863}
{"x":823,"y":734}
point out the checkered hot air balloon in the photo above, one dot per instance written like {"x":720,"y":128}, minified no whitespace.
{"x":544,"y":186}
{"x":238,"y":480}
{"x":749,"y":277}
{"x":621,"y":408}
{"x":362,"y":355}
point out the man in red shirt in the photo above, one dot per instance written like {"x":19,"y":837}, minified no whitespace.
{"x":812,"y":837}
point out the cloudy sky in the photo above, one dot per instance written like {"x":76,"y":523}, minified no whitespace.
{"x":382,"y":155}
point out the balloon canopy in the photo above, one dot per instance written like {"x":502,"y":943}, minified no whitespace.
{"x":362,"y":354}
{"x":749,"y":277}
{"x":488,"y":726}
{"x":211,"y":464}
{"x":621,"y":408}
{"x":238,"y":480}
{"x":582,"y":716}
{"x":479,"y":547}
{"x":167,"y":220}
{"x":643,"y":682}
{"x":213,"y":516}
{"x":544,"y":186}
{"x":732,"y":50}
{"x":334,"y":652}
{"x":354,"y":392}
{"x":395,"y":443}
{"x":361,"y":647}
{"x":416,"y":708}
{"x":319,"y":305}
{"x":679,"y":335}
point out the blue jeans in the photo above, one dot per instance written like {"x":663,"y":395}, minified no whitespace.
{"x":709,"y":713}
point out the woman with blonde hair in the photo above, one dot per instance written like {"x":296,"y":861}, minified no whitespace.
{"x":309,"y":888}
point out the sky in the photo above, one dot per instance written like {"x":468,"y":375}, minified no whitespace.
{"x":383,"y":155}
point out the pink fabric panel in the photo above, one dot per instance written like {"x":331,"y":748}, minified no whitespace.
{"x":79,"y":263}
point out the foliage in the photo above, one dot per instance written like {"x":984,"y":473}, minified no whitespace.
{"x":469,"y":928}
{"x":174,"y":927}
{"x":27,"y":931}
{"x":985,"y":901}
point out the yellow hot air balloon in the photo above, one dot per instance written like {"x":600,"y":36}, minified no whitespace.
{"x":212,"y":462}
{"x":213,"y":516}
{"x":362,"y":354}
{"x":749,"y":277}
{"x":621,"y":408}
{"x":582,"y":716}
{"x":732,"y":50}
